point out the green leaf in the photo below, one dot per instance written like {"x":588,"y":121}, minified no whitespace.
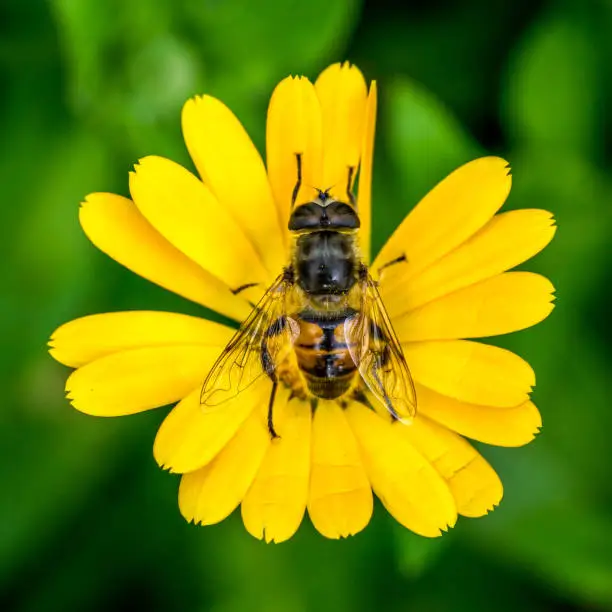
{"x":51,"y":256}
{"x":424,"y":143}
{"x":64,"y":461}
{"x":309,"y":572}
{"x":129,"y":71}
{"x":565,"y":544}
{"x":416,"y":554}
{"x":246,"y":58}
{"x":552,"y":96}
{"x":576,"y":192}
{"x":133,"y":70}
{"x":425,"y":140}
{"x":277,"y":38}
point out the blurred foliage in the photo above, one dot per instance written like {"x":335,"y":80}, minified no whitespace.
{"x":87,"y":522}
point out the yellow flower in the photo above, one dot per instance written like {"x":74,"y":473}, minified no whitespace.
{"x":201,"y":238}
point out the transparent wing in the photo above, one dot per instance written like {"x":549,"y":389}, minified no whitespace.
{"x":263,"y":340}
{"x":377,"y":353}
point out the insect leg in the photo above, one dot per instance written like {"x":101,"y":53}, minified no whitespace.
{"x":298,"y":183}
{"x":349,"y":191}
{"x":271,"y":429}
{"x":393,"y":262}
{"x":266,"y":362}
{"x":268,"y":365}
{"x":243,"y":287}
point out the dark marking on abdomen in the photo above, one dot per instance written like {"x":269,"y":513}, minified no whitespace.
{"x":323,"y":355}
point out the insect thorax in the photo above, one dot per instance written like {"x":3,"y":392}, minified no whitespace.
{"x":325,"y":263}
{"x":325,"y":254}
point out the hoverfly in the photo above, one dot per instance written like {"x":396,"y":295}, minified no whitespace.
{"x":321,"y":329}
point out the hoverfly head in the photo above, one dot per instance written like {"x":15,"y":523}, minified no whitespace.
{"x":324,"y":212}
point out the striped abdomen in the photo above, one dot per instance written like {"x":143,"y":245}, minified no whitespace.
{"x":323,"y":355}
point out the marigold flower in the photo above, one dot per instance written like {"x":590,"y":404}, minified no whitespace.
{"x":204,"y":237}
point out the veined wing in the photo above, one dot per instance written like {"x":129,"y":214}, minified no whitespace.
{"x":262,"y":342}
{"x":377,"y":353}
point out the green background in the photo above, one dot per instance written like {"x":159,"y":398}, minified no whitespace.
{"x":87,"y":520}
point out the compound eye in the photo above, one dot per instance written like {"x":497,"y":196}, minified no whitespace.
{"x":342,"y":216}
{"x":304,"y":216}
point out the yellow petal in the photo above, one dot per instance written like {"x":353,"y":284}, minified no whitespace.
{"x":293,"y":127}
{"x":212,"y":493}
{"x":342,"y":93}
{"x":86,"y":339}
{"x":340,"y":500}
{"x":455,"y":209}
{"x":189,"y":216}
{"x":406,"y":483}
{"x":231,"y":167}
{"x":506,"y":241}
{"x":500,"y":305}
{"x":139,"y":379}
{"x":189,"y":493}
{"x":364,"y":198}
{"x":500,"y":426}
{"x":471,"y":372}
{"x":192,"y":434}
{"x":474,"y":484}
{"x":274,"y":505}
{"x":117,"y":228}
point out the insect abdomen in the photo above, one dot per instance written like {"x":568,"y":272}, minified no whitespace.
{"x":323,"y":357}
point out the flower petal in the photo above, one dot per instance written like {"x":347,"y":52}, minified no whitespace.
{"x":455,"y":209}
{"x":499,"y":305}
{"x":192,"y":435}
{"x":471,"y":372}
{"x":474,"y":484}
{"x":117,"y":228}
{"x":408,"y":485}
{"x":514,"y":426}
{"x":212,"y":493}
{"x":231,"y":167}
{"x":340,"y":501}
{"x":506,"y":241}
{"x":274,"y":505}
{"x":86,"y":339}
{"x":188,"y":215}
{"x":139,"y":379}
{"x":342,"y":93}
{"x":293,"y":127}
{"x":364,"y":197}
